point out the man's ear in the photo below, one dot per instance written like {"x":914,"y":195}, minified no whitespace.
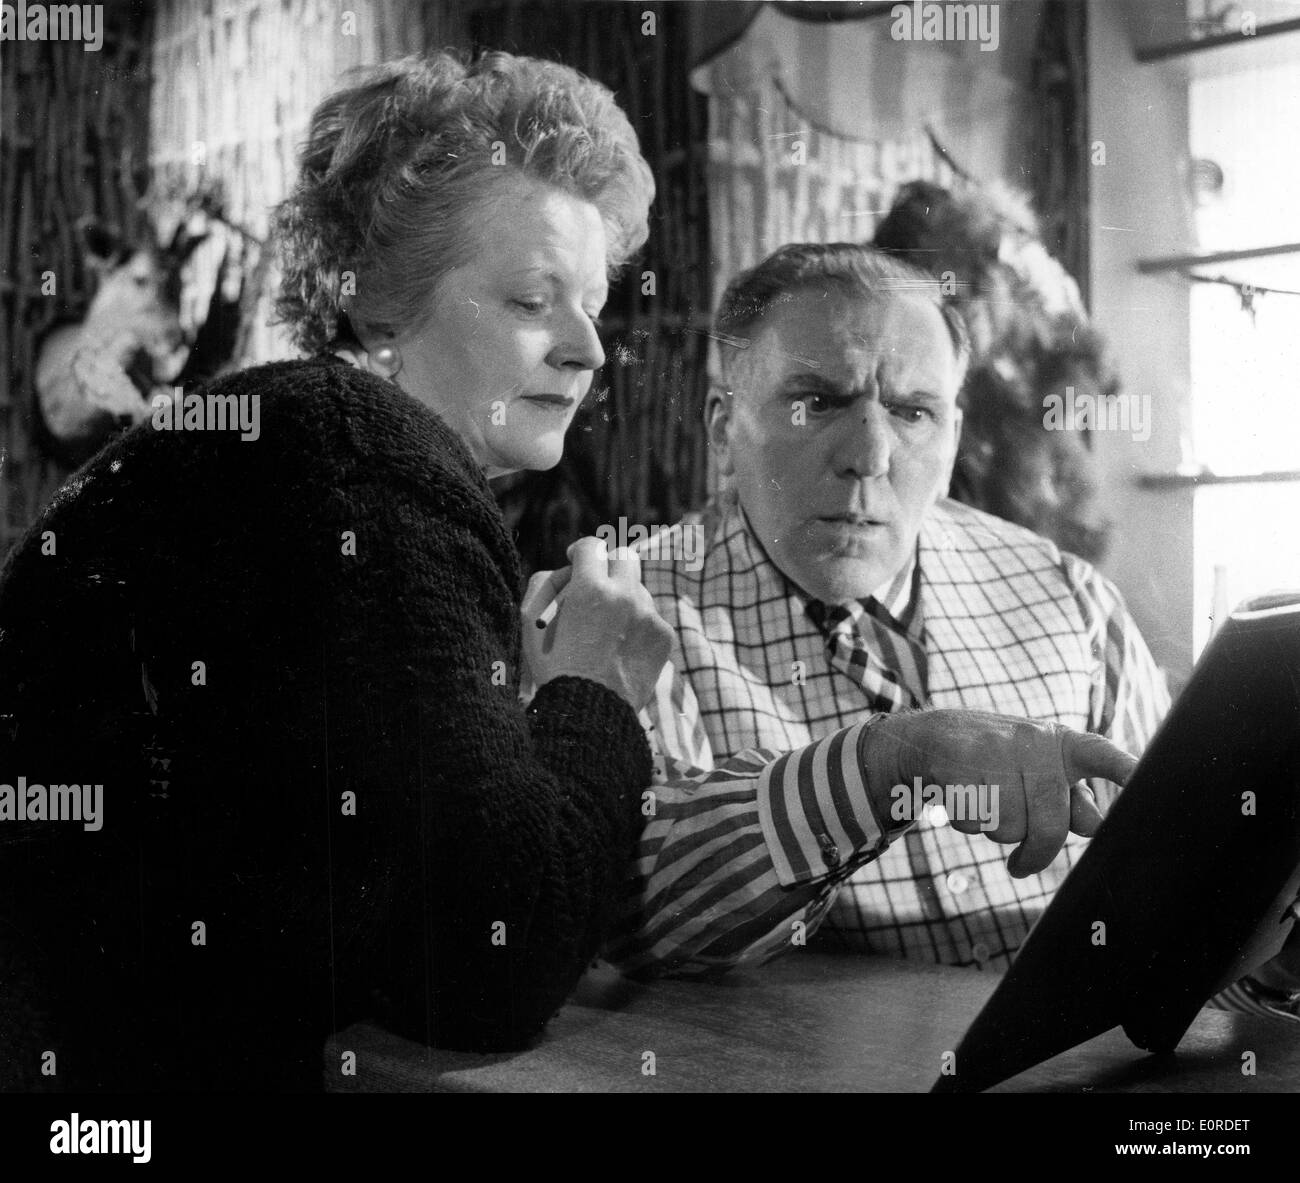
{"x":717,"y":424}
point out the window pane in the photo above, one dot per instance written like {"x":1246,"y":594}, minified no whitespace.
{"x":1245,"y":381}
{"x":1245,"y":122}
{"x":1252,"y":534}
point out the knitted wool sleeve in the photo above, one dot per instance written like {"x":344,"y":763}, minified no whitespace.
{"x":507,"y":831}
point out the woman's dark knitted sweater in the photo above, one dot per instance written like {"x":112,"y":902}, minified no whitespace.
{"x":293,"y":664}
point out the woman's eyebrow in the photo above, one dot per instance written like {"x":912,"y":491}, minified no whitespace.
{"x":554,"y":278}
{"x":545,"y":272}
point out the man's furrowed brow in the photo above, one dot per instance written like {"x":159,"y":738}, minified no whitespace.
{"x":796,"y":361}
{"x":922,"y":394}
{"x":884,"y":344}
{"x":919,"y":381}
{"x":808,"y":380}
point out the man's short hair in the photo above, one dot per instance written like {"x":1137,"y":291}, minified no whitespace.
{"x":846,"y":267}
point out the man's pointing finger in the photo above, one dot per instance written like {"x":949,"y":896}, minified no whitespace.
{"x":1087,"y":754}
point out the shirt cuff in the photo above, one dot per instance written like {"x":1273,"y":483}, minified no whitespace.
{"x":815,"y":809}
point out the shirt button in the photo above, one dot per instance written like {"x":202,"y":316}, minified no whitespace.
{"x":938,"y":816}
{"x":957,"y":883}
{"x":980,"y":951}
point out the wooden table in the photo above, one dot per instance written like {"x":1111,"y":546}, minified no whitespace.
{"x":809,"y":1022}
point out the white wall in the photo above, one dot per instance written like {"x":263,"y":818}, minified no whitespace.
{"x":1138,"y":209}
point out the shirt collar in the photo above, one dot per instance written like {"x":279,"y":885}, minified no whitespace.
{"x":900,"y":595}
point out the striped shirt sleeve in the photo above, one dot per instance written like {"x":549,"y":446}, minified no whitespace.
{"x":814,"y":807}
{"x":739,"y":862}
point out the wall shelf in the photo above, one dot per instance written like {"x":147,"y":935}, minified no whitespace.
{"x":1225,"y":53}
{"x":1267,"y":269}
{"x":1213,"y":258}
{"x":1188,"y":480}
{"x":1177,"y":49}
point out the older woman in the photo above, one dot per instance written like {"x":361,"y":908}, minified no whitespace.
{"x":279,"y":626}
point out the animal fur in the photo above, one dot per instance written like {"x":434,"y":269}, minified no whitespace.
{"x":1030,"y":338}
{"x":99,"y":375}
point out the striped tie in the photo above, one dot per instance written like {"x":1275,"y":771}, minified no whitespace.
{"x":874,"y":649}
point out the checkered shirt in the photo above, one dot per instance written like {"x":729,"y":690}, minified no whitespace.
{"x":762,"y":827}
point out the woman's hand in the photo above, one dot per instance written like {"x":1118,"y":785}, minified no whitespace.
{"x":605,"y":626}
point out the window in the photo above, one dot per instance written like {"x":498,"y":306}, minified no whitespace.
{"x":1245,"y":344}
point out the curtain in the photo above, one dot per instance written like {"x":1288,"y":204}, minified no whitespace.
{"x":637,"y":447}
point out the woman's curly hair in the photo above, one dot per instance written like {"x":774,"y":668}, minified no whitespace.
{"x":396,"y":166}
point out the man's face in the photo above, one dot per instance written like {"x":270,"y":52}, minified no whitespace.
{"x":836,"y":490}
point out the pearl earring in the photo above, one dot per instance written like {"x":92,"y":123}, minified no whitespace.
{"x":386,"y":361}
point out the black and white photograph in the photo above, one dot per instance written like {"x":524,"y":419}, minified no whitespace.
{"x":649,"y":546}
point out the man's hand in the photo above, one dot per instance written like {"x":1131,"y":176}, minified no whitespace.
{"x":1032,"y":769}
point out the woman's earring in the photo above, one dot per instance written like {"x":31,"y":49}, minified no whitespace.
{"x":386,"y":361}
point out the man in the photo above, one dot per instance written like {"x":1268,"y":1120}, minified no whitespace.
{"x":835,"y":591}
{"x":837,"y":583}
